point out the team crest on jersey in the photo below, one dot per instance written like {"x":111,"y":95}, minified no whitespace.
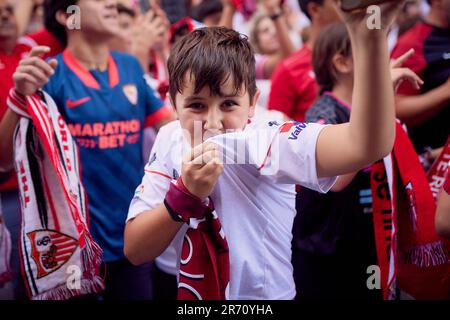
{"x":131,"y":93}
{"x":50,"y":250}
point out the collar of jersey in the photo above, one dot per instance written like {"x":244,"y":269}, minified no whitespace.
{"x":84,"y":74}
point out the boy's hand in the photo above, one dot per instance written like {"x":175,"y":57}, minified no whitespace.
{"x":201,"y":169}
{"x":357,"y":21}
{"x":399,"y":74}
{"x":33,"y":72}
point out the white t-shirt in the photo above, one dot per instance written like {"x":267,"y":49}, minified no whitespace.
{"x":254,"y":199}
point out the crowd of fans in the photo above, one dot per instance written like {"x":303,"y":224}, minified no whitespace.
{"x":304,"y":72}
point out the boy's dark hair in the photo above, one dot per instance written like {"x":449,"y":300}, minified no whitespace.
{"x":334,"y":39}
{"x":51,"y":7}
{"x":304,"y":6}
{"x":212,"y":56}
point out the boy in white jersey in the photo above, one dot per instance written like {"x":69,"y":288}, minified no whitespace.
{"x":250,"y":204}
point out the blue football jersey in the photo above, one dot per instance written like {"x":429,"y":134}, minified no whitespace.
{"x":106,"y":113}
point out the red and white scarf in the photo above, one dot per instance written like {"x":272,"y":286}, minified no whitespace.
{"x":204,"y":265}
{"x":412,"y":257}
{"x":5,"y":251}
{"x":59,"y":258}
{"x":438,"y":171}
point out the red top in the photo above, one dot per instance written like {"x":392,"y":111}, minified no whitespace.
{"x":413,"y":39}
{"x":431,"y":62}
{"x":44,"y":38}
{"x":8,"y":64}
{"x":294,"y":88}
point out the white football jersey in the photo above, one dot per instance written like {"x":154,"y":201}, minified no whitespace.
{"x":254,"y":199}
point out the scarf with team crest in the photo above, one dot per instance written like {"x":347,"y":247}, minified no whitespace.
{"x":59,"y":258}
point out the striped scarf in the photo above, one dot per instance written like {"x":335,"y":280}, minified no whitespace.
{"x":205,"y":263}
{"x":59,"y":258}
{"x":410,"y":254}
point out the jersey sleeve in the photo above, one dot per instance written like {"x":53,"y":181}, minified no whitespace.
{"x":44,"y":37}
{"x":155,"y":183}
{"x":284,"y":153}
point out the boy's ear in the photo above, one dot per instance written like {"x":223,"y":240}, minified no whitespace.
{"x":343,"y":65}
{"x":62,"y":17}
{"x":313,"y":8}
{"x":254,"y":103}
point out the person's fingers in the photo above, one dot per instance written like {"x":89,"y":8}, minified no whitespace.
{"x":34,"y":72}
{"x":198,"y":150}
{"x":402,"y":59}
{"x":150,"y":15}
{"x":193,"y":153}
{"x":41,"y":65}
{"x":413,"y":78}
{"x":53,"y":63}
{"x":213,"y":168}
{"x":406,"y":74}
{"x":157,"y":22}
{"x":154,"y":4}
{"x":204,"y":157}
{"x":24,"y":76}
{"x":38,"y":51}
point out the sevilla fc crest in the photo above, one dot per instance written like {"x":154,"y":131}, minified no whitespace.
{"x":131,"y":93}
{"x":50,"y":250}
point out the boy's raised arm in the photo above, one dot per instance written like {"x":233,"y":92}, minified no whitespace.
{"x":370,"y":134}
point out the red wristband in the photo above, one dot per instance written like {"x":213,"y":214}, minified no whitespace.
{"x":180,"y":202}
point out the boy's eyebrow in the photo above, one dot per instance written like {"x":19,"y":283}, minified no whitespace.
{"x":229,"y":95}
{"x":194,"y":97}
